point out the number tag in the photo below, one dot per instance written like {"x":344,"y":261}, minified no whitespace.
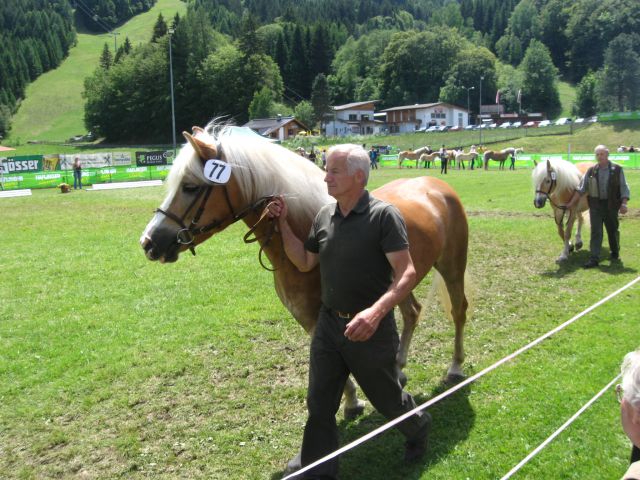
{"x":553,"y":175}
{"x":217,"y":171}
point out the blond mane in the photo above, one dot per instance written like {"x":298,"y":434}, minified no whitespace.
{"x":567,"y":174}
{"x":260,"y":167}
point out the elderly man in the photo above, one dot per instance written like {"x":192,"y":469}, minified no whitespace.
{"x":361,"y":246}
{"x":608,"y":194}
{"x":629,"y":397}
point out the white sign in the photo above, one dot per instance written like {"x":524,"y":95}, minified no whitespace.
{"x":217,"y":171}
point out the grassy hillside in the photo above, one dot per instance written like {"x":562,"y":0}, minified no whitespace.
{"x":53,"y":107}
{"x":567,"y":97}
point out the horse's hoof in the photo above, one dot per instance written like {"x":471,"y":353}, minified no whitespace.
{"x":571,"y":248}
{"x":352,"y":413}
{"x":454,"y":378}
{"x":578,"y":245}
{"x":402,"y":378}
{"x":560,"y":260}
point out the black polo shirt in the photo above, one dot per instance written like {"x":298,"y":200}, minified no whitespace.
{"x":354,"y":270}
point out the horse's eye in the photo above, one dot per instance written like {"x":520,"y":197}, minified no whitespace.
{"x":190,"y":188}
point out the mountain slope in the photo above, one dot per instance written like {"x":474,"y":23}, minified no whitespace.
{"x":53,"y":108}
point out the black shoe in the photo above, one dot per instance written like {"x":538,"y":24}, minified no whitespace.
{"x":592,"y":263}
{"x":614,"y":257}
{"x":415,"y":449}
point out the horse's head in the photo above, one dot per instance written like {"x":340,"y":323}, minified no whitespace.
{"x":544,"y":181}
{"x":203,"y":199}
{"x":225,"y":176}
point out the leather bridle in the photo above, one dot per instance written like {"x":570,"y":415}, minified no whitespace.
{"x":548,"y":193}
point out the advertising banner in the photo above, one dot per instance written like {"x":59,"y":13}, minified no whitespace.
{"x":144,"y":159}
{"x":95,"y":160}
{"x":614,"y":116}
{"x":51,"y":162}
{"x":21,"y":164}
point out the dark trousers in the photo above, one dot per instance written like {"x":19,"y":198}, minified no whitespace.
{"x":443,"y":165}
{"x":599,"y":214}
{"x":373,"y":364}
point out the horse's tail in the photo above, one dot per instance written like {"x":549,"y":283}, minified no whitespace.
{"x":439,"y":289}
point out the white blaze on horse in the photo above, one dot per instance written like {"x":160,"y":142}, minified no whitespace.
{"x":556,"y":180}
{"x":199,"y":204}
{"x":412,"y":155}
{"x":500,"y":156}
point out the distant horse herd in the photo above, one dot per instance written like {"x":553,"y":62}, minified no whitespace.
{"x":424,"y":156}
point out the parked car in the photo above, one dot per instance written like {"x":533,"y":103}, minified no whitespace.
{"x":593,"y":119}
{"x":455,"y":128}
{"x":443,"y":128}
{"x":516,"y":125}
{"x":492,"y":125}
{"x":531,"y":124}
{"x":544,"y":123}
{"x":421,"y":130}
{"x":470,"y":127}
{"x":505,"y":125}
{"x":579,"y":120}
{"x":433,"y":128}
{"x":563,"y":121}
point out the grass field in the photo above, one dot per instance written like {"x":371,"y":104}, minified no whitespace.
{"x":53,"y":108}
{"x":115,"y":367}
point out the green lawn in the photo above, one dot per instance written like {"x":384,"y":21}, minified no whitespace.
{"x":53,"y":108}
{"x":112,"y":366}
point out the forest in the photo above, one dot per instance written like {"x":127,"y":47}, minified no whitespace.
{"x":241,"y":59}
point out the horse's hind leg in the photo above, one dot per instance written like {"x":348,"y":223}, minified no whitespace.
{"x":579,"y":230}
{"x":353,"y":407}
{"x":454,"y":280}
{"x":410,"y":309}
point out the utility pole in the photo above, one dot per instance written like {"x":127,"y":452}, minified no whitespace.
{"x":480,"y":109}
{"x":173,"y":108}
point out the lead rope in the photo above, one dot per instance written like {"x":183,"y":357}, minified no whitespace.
{"x":271,"y":229}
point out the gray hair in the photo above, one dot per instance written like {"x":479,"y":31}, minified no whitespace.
{"x":631,"y":377}
{"x":601,"y":147}
{"x":357,"y":158}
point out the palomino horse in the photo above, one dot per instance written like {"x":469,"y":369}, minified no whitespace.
{"x":426,"y":159}
{"x":500,"y":156}
{"x":412,"y":155}
{"x":471,"y":156}
{"x":206,"y":195}
{"x":556,"y":180}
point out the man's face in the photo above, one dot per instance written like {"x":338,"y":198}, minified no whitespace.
{"x":630,"y":416}
{"x":602,"y":156}
{"x":337,"y":178}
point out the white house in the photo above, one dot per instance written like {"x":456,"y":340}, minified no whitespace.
{"x":353,"y":119}
{"x":278,"y":128}
{"x":410,"y":118}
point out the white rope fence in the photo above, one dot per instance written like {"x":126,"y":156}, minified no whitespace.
{"x":564,"y":426}
{"x":459,"y":386}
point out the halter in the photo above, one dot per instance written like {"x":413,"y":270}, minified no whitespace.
{"x":547,"y":194}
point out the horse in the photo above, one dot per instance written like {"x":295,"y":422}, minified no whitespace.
{"x":471,"y":156}
{"x":427,"y":158}
{"x":557,"y":180}
{"x":412,"y":155}
{"x":625,"y":149}
{"x":500,"y":156}
{"x":219,"y":178}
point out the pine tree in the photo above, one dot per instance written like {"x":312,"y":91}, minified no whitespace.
{"x":160,"y":29}
{"x":320,"y":98}
{"x":106,"y":58}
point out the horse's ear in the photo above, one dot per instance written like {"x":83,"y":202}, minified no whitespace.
{"x":204,"y":149}
{"x":549,"y":166}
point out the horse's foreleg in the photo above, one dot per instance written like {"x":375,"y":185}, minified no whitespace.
{"x":565,"y":234}
{"x":410,"y":309}
{"x":352,"y":406}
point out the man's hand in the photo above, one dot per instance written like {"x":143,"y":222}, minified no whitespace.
{"x":623,"y":208}
{"x":363,"y":325}
{"x":278,"y":209}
